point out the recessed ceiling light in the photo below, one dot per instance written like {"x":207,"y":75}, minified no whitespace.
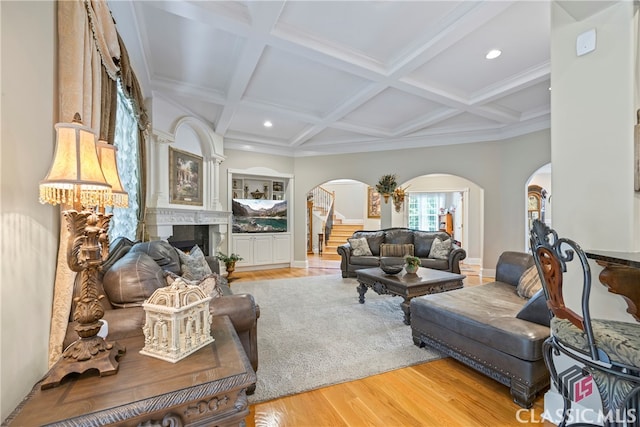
{"x":268,"y":124}
{"x":493,"y":54}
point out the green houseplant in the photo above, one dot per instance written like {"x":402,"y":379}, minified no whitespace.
{"x":386,"y":185}
{"x":411,"y":263}
{"x":229,"y":261}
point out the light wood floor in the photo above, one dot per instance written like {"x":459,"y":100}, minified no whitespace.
{"x":439,"y":393}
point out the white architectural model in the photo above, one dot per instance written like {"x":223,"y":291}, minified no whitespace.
{"x":178,"y":321}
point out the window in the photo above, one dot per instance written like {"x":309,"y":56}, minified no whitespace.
{"x":125,"y":220}
{"x":423,"y":210}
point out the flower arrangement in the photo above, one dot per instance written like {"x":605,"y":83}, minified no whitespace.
{"x":411,"y":264}
{"x":398,"y":197}
{"x":228,"y":258}
{"x":386,"y":184}
{"x":412,"y":261}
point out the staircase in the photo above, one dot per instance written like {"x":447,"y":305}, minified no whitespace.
{"x":339,"y":235}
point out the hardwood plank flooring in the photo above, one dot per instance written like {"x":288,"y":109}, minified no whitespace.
{"x":439,"y":393}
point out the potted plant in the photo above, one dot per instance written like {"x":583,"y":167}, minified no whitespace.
{"x":411,"y":264}
{"x":229,"y":261}
{"x":386,"y":186}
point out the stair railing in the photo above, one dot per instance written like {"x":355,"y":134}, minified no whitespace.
{"x":324,"y":201}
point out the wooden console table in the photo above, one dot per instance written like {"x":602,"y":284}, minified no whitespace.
{"x":621,"y":275}
{"x":204,"y":389}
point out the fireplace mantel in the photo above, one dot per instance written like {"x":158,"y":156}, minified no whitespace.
{"x":160,"y":222}
{"x":179,"y":216}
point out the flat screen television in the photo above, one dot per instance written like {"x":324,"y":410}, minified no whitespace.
{"x":259,"y":216}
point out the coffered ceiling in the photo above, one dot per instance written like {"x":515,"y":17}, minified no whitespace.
{"x":345,"y":76}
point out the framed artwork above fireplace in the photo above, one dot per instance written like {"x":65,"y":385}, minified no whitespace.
{"x":185,"y":178}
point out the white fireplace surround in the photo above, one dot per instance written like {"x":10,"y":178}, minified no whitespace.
{"x":195,"y":136}
{"x":160,"y":222}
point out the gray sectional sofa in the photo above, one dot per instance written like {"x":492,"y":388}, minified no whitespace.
{"x":421,"y":241}
{"x":490,"y":328}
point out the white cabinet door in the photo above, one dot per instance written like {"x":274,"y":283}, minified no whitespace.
{"x":262,"y":250}
{"x":281,"y":248}
{"x":243,"y":246}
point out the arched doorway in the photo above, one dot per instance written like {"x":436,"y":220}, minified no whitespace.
{"x":355,"y":205}
{"x":538,"y":199}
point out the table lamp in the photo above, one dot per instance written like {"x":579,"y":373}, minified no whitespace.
{"x":76,"y":178}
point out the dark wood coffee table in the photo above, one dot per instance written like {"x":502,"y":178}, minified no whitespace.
{"x":425,"y":281}
{"x":204,"y":389}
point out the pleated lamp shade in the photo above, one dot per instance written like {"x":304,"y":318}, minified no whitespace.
{"x":107,"y":156}
{"x":75,"y":175}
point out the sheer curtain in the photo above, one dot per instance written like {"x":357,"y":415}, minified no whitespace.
{"x":424,"y":209}
{"x":125,"y":220}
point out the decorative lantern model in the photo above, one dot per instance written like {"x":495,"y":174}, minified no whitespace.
{"x":177,"y":323}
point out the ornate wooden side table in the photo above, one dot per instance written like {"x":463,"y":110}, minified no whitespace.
{"x":207,"y":388}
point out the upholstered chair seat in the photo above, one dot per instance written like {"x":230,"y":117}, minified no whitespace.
{"x":619,"y":340}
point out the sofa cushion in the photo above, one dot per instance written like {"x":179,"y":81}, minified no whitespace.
{"x":511,"y":265}
{"x":117,"y":249}
{"x":210,"y":284}
{"x":393,"y":250}
{"x":535,"y":310}
{"x":487,"y":314}
{"x":398,"y":236}
{"x":440,"y":249}
{"x":359,"y":246}
{"x":368,"y":261}
{"x":374,"y":238}
{"x":193,"y":265}
{"x":422,"y":241}
{"x":436,"y":264}
{"x":165,"y":255}
{"x":529,"y":283}
{"x":132,"y":279}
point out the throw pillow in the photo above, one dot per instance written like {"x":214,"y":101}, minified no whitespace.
{"x":165,"y":255}
{"x":440,"y":249}
{"x":210,"y":283}
{"x":393,"y":250}
{"x":359,"y":247}
{"x":193,"y":265}
{"x":535,"y":310}
{"x":529,"y":283}
{"x":132,"y":279}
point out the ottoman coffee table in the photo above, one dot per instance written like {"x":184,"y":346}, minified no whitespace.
{"x":425,"y":281}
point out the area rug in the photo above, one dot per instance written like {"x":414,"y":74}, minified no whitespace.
{"x":313,"y":332}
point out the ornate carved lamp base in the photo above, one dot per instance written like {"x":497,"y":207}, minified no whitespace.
{"x":83,"y":355}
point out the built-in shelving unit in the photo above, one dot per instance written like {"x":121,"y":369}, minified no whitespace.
{"x":262,"y":218}
{"x":257,"y":188}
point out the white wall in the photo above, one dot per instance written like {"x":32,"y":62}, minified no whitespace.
{"x":501,"y":168}
{"x":592,"y":150}
{"x":29,"y":230}
{"x":350,"y":199}
{"x":592,"y":102}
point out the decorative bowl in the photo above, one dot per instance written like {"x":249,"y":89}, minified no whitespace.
{"x":391,"y":265}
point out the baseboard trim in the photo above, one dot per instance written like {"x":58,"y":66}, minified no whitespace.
{"x":472,"y":261}
{"x":300,"y":264}
{"x":488,"y":272}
